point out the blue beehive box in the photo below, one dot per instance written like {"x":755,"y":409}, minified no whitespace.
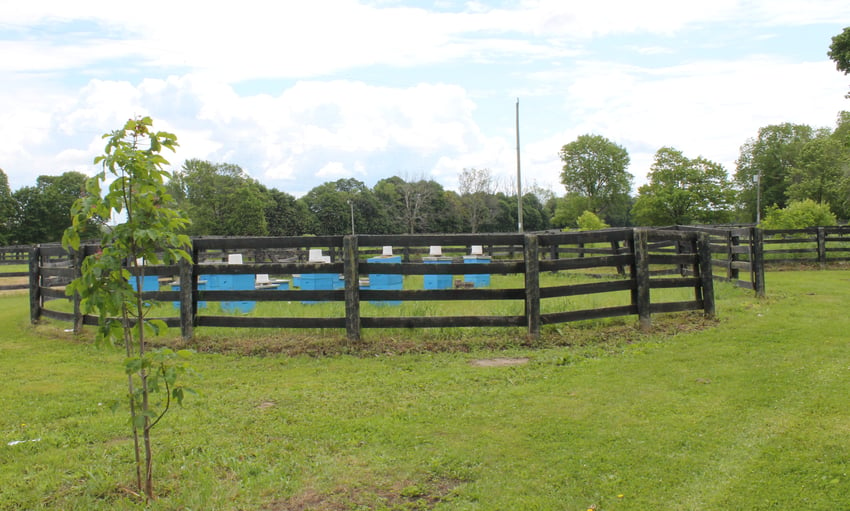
{"x":437,"y":281}
{"x":240,"y":282}
{"x":317,"y":282}
{"x":202,"y":285}
{"x":477,"y":279}
{"x":149,"y":283}
{"x":384,"y":281}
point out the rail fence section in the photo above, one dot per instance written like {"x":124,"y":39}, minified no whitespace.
{"x":371,"y":268}
{"x":816,"y":245}
{"x":737,"y":254}
{"x":12,"y":278}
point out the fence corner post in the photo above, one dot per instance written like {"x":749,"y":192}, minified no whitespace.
{"x":77,"y":257}
{"x":641,"y":275}
{"x":187,"y":298}
{"x":352,"y":287}
{"x":757,"y":262}
{"x":531,"y":254}
{"x":35,"y":284}
{"x":705,"y":273}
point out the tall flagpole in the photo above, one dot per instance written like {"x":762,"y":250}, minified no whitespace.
{"x":518,"y":175}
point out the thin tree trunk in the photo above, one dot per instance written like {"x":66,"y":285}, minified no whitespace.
{"x":143,"y":376}
{"x":128,"y":345}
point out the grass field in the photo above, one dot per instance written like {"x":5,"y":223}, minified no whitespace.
{"x":749,"y":413}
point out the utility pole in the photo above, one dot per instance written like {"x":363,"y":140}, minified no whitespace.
{"x":518,"y":175}
{"x":757,"y":179}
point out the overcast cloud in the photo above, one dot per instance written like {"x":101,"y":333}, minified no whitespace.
{"x":300,"y":93}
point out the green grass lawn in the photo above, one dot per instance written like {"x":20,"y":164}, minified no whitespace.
{"x":750,"y":413}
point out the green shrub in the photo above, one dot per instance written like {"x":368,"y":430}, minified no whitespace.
{"x":588,"y":221}
{"x":799,"y":215}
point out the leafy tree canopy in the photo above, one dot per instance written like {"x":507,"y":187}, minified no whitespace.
{"x":334,"y":204}
{"x":40,"y":212}
{"x":595,"y":168}
{"x":822,"y":174}
{"x":839,"y":50}
{"x":221,"y":199}
{"x":7,"y":208}
{"x":764,"y":163}
{"x":684,"y":191}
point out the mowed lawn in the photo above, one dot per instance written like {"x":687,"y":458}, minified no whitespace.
{"x":750,"y":413}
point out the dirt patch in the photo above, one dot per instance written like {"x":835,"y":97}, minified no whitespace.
{"x":401,"y":496}
{"x":499,"y":362}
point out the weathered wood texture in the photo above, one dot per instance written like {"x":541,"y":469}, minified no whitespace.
{"x":632,"y":261}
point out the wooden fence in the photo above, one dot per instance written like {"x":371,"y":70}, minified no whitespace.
{"x":621,"y":260}
{"x":817,"y":245}
{"x":13,"y":256}
{"x":737,"y":254}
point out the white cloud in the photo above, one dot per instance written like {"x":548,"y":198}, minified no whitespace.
{"x":374,"y":90}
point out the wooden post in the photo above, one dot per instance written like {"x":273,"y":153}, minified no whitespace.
{"x":821,"y":246}
{"x":615,"y":247}
{"x":188,"y":297}
{"x":705,"y":274}
{"x":757,"y":260}
{"x":681,"y":246}
{"x":640,"y":297}
{"x":352,"y":287}
{"x":35,"y":284}
{"x":732,"y":241}
{"x":77,"y":257}
{"x":531,"y":254}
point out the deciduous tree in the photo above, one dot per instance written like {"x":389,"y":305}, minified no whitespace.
{"x":476,"y":193}
{"x":839,"y":51}
{"x":684,"y":191}
{"x":221,"y":199}
{"x":595,"y":169}
{"x":822,"y":174}
{"x":152,"y":233}
{"x":41,"y":212}
{"x":766,"y":161}
{"x":6,"y":209}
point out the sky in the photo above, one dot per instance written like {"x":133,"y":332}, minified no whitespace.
{"x":299,"y":93}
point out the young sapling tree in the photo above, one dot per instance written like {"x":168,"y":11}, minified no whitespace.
{"x":152,"y":232}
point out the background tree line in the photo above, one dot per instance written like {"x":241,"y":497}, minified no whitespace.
{"x":786,"y":173}
{"x":782,"y":165}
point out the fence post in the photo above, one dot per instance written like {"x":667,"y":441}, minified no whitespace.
{"x":188,"y":296}
{"x":35,"y":284}
{"x":757,"y":260}
{"x":77,"y":257}
{"x":615,"y":247}
{"x":640,"y":297}
{"x":821,"y":246}
{"x":705,"y":273}
{"x":350,"y":260}
{"x":531,"y":254}
{"x":732,"y":241}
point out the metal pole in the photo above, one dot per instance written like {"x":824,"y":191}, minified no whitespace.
{"x":518,"y":175}
{"x":351,"y":205}
{"x":758,"y":197}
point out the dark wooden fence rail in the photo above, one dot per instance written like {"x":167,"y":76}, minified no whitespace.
{"x":626,"y":260}
{"x":819,"y":245}
{"x":737,"y":254}
{"x":9,"y":256}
